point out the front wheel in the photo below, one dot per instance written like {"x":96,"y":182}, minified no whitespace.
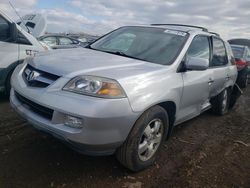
{"x":142,"y":145}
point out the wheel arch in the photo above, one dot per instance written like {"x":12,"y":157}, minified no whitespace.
{"x":170,"y":108}
{"x":9,"y":70}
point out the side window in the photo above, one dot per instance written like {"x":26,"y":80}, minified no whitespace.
{"x":199,"y":48}
{"x":230,"y":53}
{"x":219,"y":53}
{"x":65,"y":41}
{"x":21,"y":39}
{"x":50,"y":41}
{"x":4,"y":29}
{"x":248,"y":54}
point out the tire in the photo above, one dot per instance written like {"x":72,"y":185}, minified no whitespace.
{"x":242,"y":79}
{"x":8,"y":83}
{"x":129,"y":153}
{"x":220,"y":104}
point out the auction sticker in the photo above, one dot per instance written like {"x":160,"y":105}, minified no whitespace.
{"x":180,"y":33}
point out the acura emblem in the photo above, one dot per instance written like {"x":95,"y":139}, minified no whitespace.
{"x":32,"y":76}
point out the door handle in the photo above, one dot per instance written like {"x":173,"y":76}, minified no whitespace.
{"x":227,"y":77}
{"x":211,"y":81}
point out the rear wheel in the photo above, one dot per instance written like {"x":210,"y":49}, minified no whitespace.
{"x":220,"y":103}
{"x":142,"y":145}
{"x":242,"y":79}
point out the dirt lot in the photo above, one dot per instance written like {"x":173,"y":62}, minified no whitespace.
{"x":208,"y":151}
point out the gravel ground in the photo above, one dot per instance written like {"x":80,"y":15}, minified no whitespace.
{"x":208,"y":151}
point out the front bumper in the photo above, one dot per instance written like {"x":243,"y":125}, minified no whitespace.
{"x":107,"y":122}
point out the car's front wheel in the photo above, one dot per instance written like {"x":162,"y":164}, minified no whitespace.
{"x":140,"y":149}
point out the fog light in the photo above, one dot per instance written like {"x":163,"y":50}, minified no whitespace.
{"x":73,"y":122}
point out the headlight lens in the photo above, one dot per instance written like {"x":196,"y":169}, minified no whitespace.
{"x":95,"y":86}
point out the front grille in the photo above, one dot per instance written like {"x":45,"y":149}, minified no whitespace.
{"x":38,"y":78}
{"x":34,"y":107}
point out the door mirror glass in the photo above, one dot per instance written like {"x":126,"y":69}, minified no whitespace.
{"x":195,"y":63}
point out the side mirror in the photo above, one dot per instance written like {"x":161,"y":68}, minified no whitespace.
{"x":198,"y":64}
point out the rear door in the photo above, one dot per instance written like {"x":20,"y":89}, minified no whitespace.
{"x":219,"y":67}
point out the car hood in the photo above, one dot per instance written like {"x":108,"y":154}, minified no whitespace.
{"x":82,"y":61}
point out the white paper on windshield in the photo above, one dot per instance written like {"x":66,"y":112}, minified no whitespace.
{"x":180,"y":33}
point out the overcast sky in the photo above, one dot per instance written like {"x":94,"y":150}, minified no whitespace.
{"x":230,"y":18}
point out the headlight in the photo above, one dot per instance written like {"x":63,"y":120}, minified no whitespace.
{"x":95,"y":86}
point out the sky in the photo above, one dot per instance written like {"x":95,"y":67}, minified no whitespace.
{"x":230,"y":18}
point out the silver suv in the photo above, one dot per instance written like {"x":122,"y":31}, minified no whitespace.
{"x":124,"y":93}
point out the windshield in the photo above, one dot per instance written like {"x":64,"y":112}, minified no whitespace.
{"x":156,"y":45}
{"x":238,"y":52}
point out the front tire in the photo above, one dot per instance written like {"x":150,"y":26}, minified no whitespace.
{"x":142,"y":145}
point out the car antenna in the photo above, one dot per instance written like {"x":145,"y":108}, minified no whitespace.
{"x":19,"y":16}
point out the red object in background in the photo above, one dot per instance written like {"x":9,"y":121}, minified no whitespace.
{"x":241,"y":64}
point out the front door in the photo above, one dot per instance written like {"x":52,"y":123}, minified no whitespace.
{"x":196,"y":83}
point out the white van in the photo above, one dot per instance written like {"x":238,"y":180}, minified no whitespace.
{"x":15,"y":45}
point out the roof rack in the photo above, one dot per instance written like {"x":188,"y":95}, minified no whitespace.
{"x":183,"y":25}
{"x":215,"y":34}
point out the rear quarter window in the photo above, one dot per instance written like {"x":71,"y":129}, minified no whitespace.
{"x":219,"y":53}
{"x":230,"y":54}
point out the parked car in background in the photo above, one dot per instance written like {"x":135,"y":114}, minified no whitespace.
{"x":58,"y":41}
{"x":242,"y":60}
{"x":240,"y":41}
{"x":84,"y":39}
{"x":126,"y":91}
{"x":15,"y":45}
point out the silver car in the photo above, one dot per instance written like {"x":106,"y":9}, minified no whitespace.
{"x":125,"y":92}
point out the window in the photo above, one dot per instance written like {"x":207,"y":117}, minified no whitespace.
{"x":219,"y":53}
{"x":121,"y":42}
{"x":4,"y":29}
{"x":230,"y":53}
{"x":21,"y":39}
{"x":65,"y":41}
{"x":248,"y":53}
{"x":199,"y":48}
{"x":30,"y":24}
{"x":238,"y":51}
{"x":155,"y":45}
{"x":50,"y":41}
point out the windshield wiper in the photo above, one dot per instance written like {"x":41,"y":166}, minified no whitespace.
{"x":123,"y":54}
{"x":116,"y":53}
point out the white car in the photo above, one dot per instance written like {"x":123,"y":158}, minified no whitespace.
{"x":15,"y":45}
